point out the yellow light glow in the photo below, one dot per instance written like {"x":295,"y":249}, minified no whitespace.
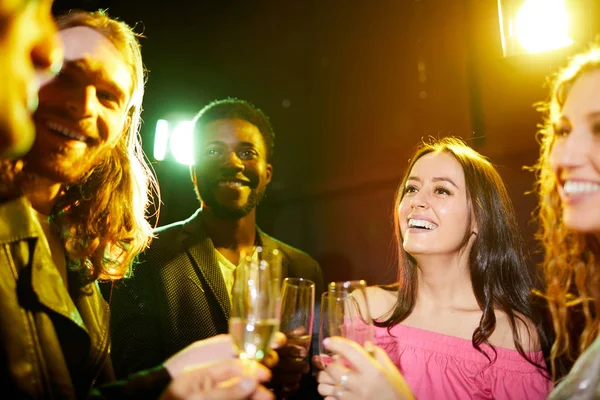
{"x":543,"y":25}
{"x":161,"y":139}
{"x":182,"y":143}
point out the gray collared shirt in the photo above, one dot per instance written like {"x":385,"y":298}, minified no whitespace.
{"x":583,"y":382}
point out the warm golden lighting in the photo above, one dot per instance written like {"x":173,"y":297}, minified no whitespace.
{"x":543,"y":25}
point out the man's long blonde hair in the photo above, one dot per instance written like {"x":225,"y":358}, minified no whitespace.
{"x":102,"y":218}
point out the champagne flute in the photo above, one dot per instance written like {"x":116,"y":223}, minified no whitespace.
{"x":345,"y":312}
{"x":297,"y":313}
{"x":255,"y":307}
{"x":324,"y":332}
{"x":297,"y":320}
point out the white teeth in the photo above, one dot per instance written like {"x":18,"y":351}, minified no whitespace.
{"x":230,"y":183}
{"x":420,"y":223}
{"x":66,"y":132}
{"x":573,"y":188}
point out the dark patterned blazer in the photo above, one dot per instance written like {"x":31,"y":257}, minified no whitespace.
{"x":177,"y":295}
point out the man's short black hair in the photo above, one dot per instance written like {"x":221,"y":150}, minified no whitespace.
{"x":233,"y":108}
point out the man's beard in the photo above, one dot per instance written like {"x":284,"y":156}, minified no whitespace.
{"x":232,"y":213}
{"x":20,"y":177}
{"x":64,"y":169}
{"x":11,"y":176}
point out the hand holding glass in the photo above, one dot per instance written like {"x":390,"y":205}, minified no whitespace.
{"x":255,"y":308}
{"x":345,"y":313}
{"x":297,"y":313}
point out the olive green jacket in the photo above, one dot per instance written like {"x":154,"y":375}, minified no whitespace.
{"x":54,"y":342}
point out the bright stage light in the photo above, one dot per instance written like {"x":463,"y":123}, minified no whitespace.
{"x":543,"y":25}
{"x":533,"y":26}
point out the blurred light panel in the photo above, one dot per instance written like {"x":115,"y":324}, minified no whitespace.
{"x":533,"y":26}
{"x":161,"y":139}
{"x":181,"y":142}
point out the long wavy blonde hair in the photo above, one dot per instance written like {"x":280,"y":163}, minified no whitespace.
{"x":102,"y":218}
{"x":570,"y":263}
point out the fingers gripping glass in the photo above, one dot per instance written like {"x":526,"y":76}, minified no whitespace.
{"x":345,"y":313}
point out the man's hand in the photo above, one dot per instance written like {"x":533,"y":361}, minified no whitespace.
{"x":271,"y":359}
{"x":293,"y":362}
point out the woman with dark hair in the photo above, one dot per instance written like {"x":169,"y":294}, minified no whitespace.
{"x":568,"y":184}
{"x":460,"y":322}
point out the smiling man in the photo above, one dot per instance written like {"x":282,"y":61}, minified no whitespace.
{"x":73,"y":211}
{"x":182,"y":290}
{"x":61,"y":223}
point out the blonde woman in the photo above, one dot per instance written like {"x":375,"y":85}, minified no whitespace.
{"x":569,"y":213}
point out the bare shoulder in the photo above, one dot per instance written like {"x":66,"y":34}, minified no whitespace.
{"x":381,"y":302}
{"x":503,"y":336}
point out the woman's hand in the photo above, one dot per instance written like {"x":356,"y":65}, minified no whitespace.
{"x":359,"y":375}
{"x":221,"y":380}
{"x":216,"y":348}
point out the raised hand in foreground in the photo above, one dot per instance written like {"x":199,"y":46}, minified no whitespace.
{"x":217,"y":348}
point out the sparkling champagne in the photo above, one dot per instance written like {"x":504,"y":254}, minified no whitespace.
{"x":252,"y":339}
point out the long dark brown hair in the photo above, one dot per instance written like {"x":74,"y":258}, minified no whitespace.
{"x":500,"y":276}
{"x":571,"y":259}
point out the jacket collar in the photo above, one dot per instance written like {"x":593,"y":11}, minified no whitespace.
{"x":18,"y":223}
{"x":200,"y":247}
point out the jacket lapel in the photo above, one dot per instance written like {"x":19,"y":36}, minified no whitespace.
{"x":95,"y":313}
{"x":79,"y":319}
{"x":40,"y":281}
{"x":46,"y":282}
{"x":201,"y":250}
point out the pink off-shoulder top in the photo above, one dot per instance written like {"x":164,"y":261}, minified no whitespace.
{"x":438,"y":366}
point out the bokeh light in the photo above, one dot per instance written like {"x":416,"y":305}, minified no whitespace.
{"x":182,"y":142}
{"x":161,"y":139}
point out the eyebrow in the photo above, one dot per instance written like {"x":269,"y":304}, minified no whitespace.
{"x":85,"y":66}
{"x":593,"y":115}
{"x":220,"y":142}
{"x":565,"y":119}
{"x":434,"y":179}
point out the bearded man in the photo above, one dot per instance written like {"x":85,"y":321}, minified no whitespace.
{"x":181,"y":291}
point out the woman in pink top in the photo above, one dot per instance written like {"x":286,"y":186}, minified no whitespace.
{"x":459,"y":323}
